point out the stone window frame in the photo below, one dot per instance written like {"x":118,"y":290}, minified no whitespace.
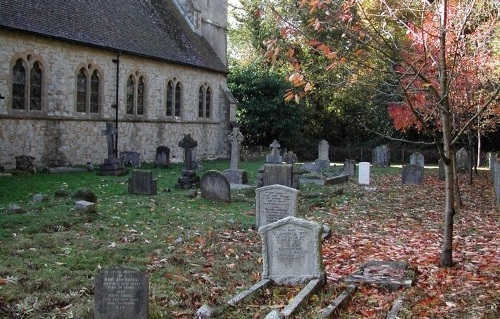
{"x":28,"y":61}
{"x":177,"y":98}
{"x":205,"y":101}
{"x":89,"y":70}
{"x":133,"y":97}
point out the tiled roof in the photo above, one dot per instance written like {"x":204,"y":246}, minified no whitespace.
{"x":150,"y":28}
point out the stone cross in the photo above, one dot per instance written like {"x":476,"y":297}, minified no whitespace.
{"x":187,"y":143}
{"x":275,"y":147}
{"x":110,"y":132}
{"x":235,"y":138}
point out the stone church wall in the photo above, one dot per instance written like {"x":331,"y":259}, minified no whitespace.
{"x":58,"y":135}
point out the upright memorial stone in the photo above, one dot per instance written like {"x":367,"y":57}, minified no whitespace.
{"x":291,"y":251}
{"x":417,"y":158}
{"x":463,"y":160}
{"x":121,"y":293}
{"x":364,"y":173}
{"x":323,"y":160}
{"x":274,"y":157}
{"x":277,"y":174}
{"x":234,"y":174}
{"x":112,"y":165}
{"x":189,"y":178}
{"x":275,"y":202}
{"x":162,"y":156}
{"x":215,"y":186}
{"x":412,"y":174}
{"x":350,"y":167}
{"x":381,"y":156}
{"x":142,"y":182}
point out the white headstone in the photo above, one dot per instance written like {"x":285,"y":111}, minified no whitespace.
{"x":275,"y":202}
{"x":364,"y":173}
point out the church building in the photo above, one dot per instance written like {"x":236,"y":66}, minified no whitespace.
{"x":156,"y":69}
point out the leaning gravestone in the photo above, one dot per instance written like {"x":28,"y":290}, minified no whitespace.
{"x":274,"y":157}
{"x":350,"y":167}
{"x":142,"y":182}
{"x":215,"y":186}
{"x":323,"y":160}
{"x":364,"y":173}
{"x":381,"y":156}
{"x":162,"y":156}
{"x":417,"y":158}
{"x":291,"y":251}
{"x":463,"y":160}
{"x":412,"y":174}
{"x":275,"y":202}
{"x":121,"y":293}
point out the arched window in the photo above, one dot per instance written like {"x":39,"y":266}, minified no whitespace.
{"x":174,"y":98}
{"x":88,"y":90}
{"x":140,"y":96}
{"x":204,"y":101}
{"x":18,"y":85}
{"x":36,"y":87}
{"x":130,"y":94}
{"x":94,"y":92}
{"x":136,"y":94}
{"x":81,"y":91}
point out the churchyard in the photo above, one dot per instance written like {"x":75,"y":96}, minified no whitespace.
{"x":197,"y":251}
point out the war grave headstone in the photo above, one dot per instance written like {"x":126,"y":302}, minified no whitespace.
{"x":350,"y":167}
{"x":189,"y":178}
{"x":364,"y":173}
{"x":121,"y":293}
{"x":381,"y":156}
{"x":323,"y":160}
{"x":142,"y":182}
{"x":274,"y":157}
{"x":112,"y":165}
{"x":162,"y":158}
{"x":234,"y":174}
{"x":417,"y":158}
{"x":130,"y":158}
{"x":214,"y":185}
{"x":412,"y":174}
{"x":462,"y":160}
{"x":275,"y":202}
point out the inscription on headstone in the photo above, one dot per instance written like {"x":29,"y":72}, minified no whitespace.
{"x":121,"y":293}
{"x":275,"y":202}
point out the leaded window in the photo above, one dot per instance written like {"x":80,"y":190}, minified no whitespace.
{"x":204,"y":101}
{"x":18,"y":85}
{"x":81,"y":91}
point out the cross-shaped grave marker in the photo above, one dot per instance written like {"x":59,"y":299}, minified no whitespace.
{"x":235,"y":138}
{"x":188,"y":144}
{"x":110,"y":133}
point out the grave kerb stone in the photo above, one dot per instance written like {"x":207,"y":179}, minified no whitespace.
{"x":275,"y":202}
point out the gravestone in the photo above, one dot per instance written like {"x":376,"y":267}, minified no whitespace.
{"x":275,"y":202}
{"x":162,"y":156}
{"x":277,"y":174}
{"x":291,"y":251}
{"x":412,"y":174}
{"x":350,"y":167}
{"x":234,"y":174}
{"x":323,"y":160}
{"x":274,"y":157}
{"x":381,"y":156}
{"x":290,"y":158}
{"x":112,"y":165}
{"x":462,"y":160}
{"x":130,"y":158}
{"x":215,"y":186}
{"x":25,"y":163}
{"x":417,"y":158}
{"x":121,"y":293}
{"x":189,"y":178}
{"x":85,"y":206}
{"x":441,"y":172}
{"x":364,"y":173}
{"x":142,"y":182}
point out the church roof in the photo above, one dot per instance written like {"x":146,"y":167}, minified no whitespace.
{"x":149,"y":28}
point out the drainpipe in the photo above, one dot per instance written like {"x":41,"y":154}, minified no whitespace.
{"x":117,"y":61}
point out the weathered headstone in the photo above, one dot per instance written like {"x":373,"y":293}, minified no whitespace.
{"x":381,"y":156}
{"x":25,"y":163}
{"x":290,"y":157}
{"x":162,"y":156}
{"x":121,"y":293}
{"x":412,"y":174}
{"x":234,"y":174}
{"x":215,"y":186}
{"x":323,"y":160}
{"x":277,"y":174}
{"x":142,"y":182}
{"x":85,"y":206}
{"x":130,"y":158}
{"x":441,"y":173}
{"x":462,"y":160}
{"x":274,"y":157}
{"x":112,"y":165}
{"x":364,"y":173}
{"x":189,"y":178}
{"x":417,"y":158}
{"x":291,"y":251}
{"x":350,"y":167}
{"x":275,"y":202}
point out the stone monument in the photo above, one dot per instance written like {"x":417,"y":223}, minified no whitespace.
{"x":234,"y":174}
{"x":274,"y":157}
{"x":275,"y":202}
{"x":112,"y":165}
{"x":189,"y":178}
{"x":323,"y":160}
{"x":215,"y":186}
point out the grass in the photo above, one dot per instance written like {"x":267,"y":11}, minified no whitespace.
{"x":194,"y":251}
